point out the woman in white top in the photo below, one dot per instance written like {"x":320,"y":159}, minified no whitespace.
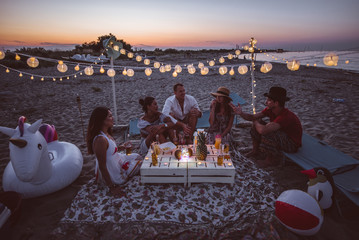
{"x":111,"y":166}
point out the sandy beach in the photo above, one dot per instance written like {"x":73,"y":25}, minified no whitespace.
{"x":311,"y":91}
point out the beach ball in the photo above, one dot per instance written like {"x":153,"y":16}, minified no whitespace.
{"x":204,"y":70}
{"x":147,"y":61}
{"x":2,"y":55}
{"x":221,"y":60}
{"x":231,"y":72}
{"x":138,"y":58}
{"x":156,"y":64}
{"x":174,"y":74}
{"x":230,"y":56}
{"x":223,"y":70}
{"x":331,"y":59}
{"x":89,"y":71}
{"x":237,"y":52}
{"x":130,"y":55}
{"x":211,"y":63}
{"x":293,"y":65}
{"x":123,"y":51}
{"x":130,"y":72}
{"x":299,"y":212}
{"x":32,"y":62}
{"x":148,"y":71}
{"x":178,"y":68}
{"x":191,"y":69}
{"x":168,"y":67}
{"x":111,"y":72}
{"x":77,"y":67}
{"x":162,"y":69}
{"x":200,"y":65}
{"x":62,"y":67}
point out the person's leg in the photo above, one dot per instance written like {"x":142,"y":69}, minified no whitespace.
{"x":256,"y":140}
{"x":192,"y":123}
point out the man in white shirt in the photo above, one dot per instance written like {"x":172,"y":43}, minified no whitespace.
{"x":184,"y":111}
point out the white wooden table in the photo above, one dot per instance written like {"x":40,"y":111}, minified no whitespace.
{"x":171,"y":170}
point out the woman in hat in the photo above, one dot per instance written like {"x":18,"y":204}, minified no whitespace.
{"x":221,"y":114}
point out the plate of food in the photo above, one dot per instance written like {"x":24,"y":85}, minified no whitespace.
{"x":167,"y":147}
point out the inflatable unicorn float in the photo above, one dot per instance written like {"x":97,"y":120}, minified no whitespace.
{"x":39,"y":163}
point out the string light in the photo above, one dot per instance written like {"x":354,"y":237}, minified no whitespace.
{"x":347,"y":61}
{"x":191,"y":69}
{"x":138,"y":58}
{"x":231,"y":72}
{"x":157,"y":65}
{"x":42,"y":79}
{"x":80,"y":73}
{"x":77,"y":67}
{"x":130,"y":72}
{"x":200,"y":65}
{"x":331,"y":59}
{"x":60,"y":79}
{"x":124,"y":72}
{"x":61,"y":67}
{"x":293,"y":65}
{"x":147,"y":61}
{"x":2,"y":55}
{"x":221,"y":60}
{"x":17,"y":57}
{"x":148,"y":71}
{"x":32,"y":77}
{"x":178,"y":68}
{"x":204,"y":70}
{"x":243,"y":69}
{"x":174,"y":74}
{"x":130,"y":55}
{"x":102,"y":70}
{"x":168,"y":67}
{"x":20,"y":75}
{"x":7,"y":70}
{"x":68,"y":78}
{"x":237,"y":52}
{"x":266,"y":67}
{"x":123,"y":51}
{"x":211,"y":63}
{"x":162,"y":69}
{"x":223,"y":70}
{"x":111,"y":72}
{"x":32,"y":62}
{"x":54,"y":79}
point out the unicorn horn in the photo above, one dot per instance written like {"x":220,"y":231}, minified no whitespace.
{"x":35,"y":126}
{"x":8,"y":131}
{"x":18,"y":142}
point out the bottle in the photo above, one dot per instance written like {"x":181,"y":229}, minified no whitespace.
{"x":194,"y":142}
{"x":220,"y":156}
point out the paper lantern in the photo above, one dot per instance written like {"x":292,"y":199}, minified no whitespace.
{"x":162,"y":69}
{"x":200,"y":65}
{"x":130,"y":72}
{"x":204,"y":70}
{"x":168,"y":67}
{"x":124,"y":72}
{"x":221,"y":60}
{"x":174,"y":74}
{"x":299,"y":212}
{"x":347,"y":61}
{"x":147,"y":61}
{"x":266,"y":67}
{"x":7,"y":70}
{"x":254,"y":41}
{"x":223,"y":70}
{"x":116,"y":48}
{"x":230,"y":56}
{"x":138,"y":58}
{"x":293,"y":65}
{"x":130,"y":55}
{"x":211,"y":63}
{"x":331,"y":59}
{"x":102,"y":70}
{"x":2,"y":55}
{"x":148,"y":71}
{"x":246,"y":47}
{"x":123,"y":51}
{"x":156,"y":64}
{"x":178,"y":68}
{"x":77,"y":67}
{"x":17,"y":57}
{"x":251,"y":49}
{"x":237,"y":52}
{"x":62,"y":67}
{"x":243,"y":69}
{"x":20,"y":75}
{"x":231,"y":72}
{"x":111,"y":72}
{"x":191,"y":69}
{"x":32,"y":62}
{"x":88,"y":71}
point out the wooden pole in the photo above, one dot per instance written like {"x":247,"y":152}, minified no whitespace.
{"x":114,"y":94}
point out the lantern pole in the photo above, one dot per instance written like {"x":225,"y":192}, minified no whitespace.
{"x":114,"y":94}
{"x":252,"y":49}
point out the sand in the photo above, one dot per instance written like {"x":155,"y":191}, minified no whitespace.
{"x":311,"y":90}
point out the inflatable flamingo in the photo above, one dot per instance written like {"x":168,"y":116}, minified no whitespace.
{"x":37,"y":167}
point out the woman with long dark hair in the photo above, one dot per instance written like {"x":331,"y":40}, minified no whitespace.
{"x":153,"y":123}
{"x":112,"y":167}
{"x":221,"y":114}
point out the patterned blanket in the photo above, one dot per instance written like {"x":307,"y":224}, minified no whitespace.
{"x":211,"y":211}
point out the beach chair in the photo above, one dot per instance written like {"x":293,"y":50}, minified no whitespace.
{"x":237,"y":99}
{"x":133,"y":130}
{"x":344,"y":168}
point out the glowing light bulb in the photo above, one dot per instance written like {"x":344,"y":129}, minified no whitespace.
{"x":162,"y":69}
{"x":124,"y":72}
{"x":174,"y":74}
{"x":7,"y":70}
{"x":42,"y":79}
{"x":130,"y":55}
{"x":123,"y":51}
{"x":116,"y":48}
{"x":223,"y":70}
{"x":20,"y":75}
{"x":32,"y":77}
{"x":157,"y":65}
{"x":178,"y":68}
{"x":168,"y":67}
{"x":237,"y":52}
{"x":147,"y":61}
{"x":111,"y":72}
{"x":221,"y":60}
{"x":32,"y":62}
{"x":17,"y":57}
{"x":230,"y":56}
{"x":243,"y":69}
{"x":204,"y":70}
{"x":200,"y":65}
{"x":347,"y":61}
{"x":62,"y":67}
{"x":211,"y":63}
{"x":130,"y":72}
{"x":102,"y":70}
{"x":77,"y":67}
{"x":148,"y":71}
{"x":138,"y":58}
{"x":60,"y":62}
{"x":231,"y":72}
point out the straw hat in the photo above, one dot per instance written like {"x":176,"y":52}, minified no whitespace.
{"x":222,"y":92}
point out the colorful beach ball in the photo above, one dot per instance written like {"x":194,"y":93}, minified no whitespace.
{"x":299,"y":212}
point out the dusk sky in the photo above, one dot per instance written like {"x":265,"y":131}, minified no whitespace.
{"x":293,"y":25}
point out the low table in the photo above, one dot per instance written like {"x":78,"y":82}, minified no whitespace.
{"x":171,"y":170}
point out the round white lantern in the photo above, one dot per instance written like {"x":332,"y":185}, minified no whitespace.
{"x":221,"y":60}
{"x":62,"y":67}
{"x":231,"y":72}
{"x":130,"y":72}
{"x":123,"y":51}
{"x":230,"y":56}
{"x":245,"y":47}
{"x":251,"y":49}
{"x":2,"y":55}
{"x":77,"y":67}
{"x":223,"y":70}
{"x":243,"y":69}
{"x":266,"y":67}
{"x":331,"y":59}
{"x":116,"y":48}
{"x":191,"y":70}
{"x":147,"y":61}
{"x":200,"y":65}
{"x":293,"y":65}
{"x":162,"y":69}
{"x":178,"y":68}
{"x":148,"y":71}
{"x":211,"y":63}
{"x":138,"y":58}
{"x":204,"y":70}
{"x":168,"y":67}
{"x":89,"y":71}
{"x":130,"y":55}
{"x":237,"y":52}
{"x":156,"y":64}
{"x":32,"y":62}
{"x":111,"y":72}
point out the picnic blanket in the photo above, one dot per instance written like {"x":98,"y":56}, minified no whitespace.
{"x":172,"y":210}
